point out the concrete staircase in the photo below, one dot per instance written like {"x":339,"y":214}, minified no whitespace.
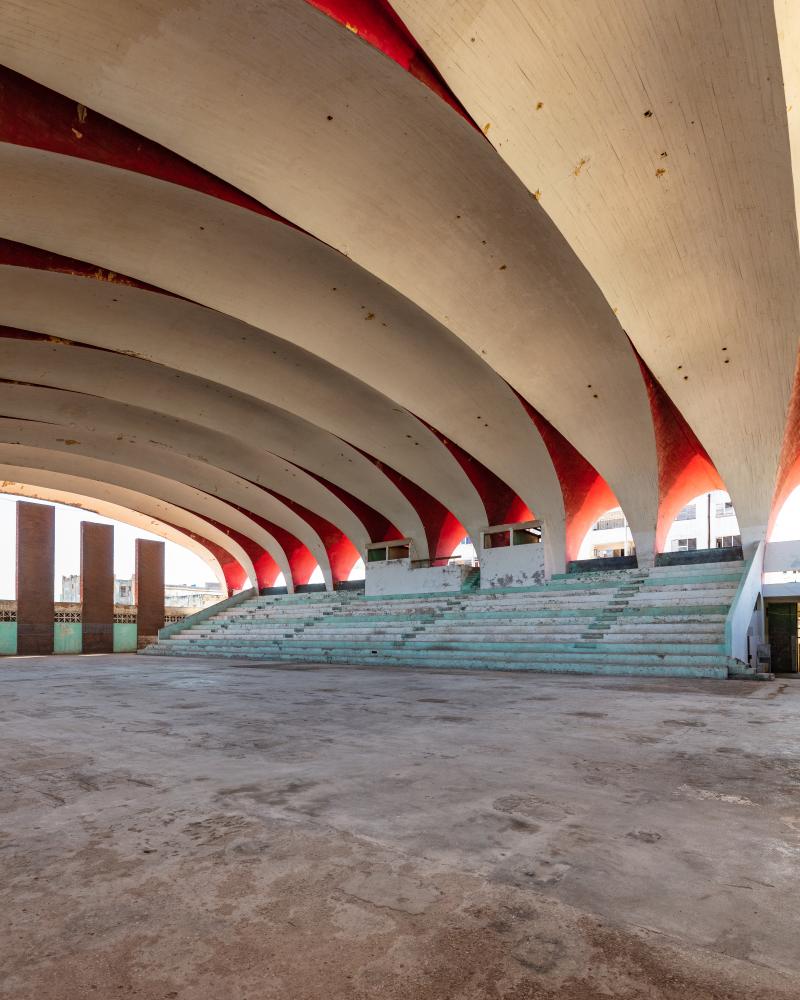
{"x":667,"y":621}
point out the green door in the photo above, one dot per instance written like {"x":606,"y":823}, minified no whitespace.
{"x":782,"y":633}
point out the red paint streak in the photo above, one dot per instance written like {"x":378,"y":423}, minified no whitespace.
{"x":35,"y":116}
{"x":342,"y":554}
{"x":788,"y":477}
{"x":788,"y":481}
{"x":451,"y":533}
{"x":22,"y":255}
{"x":442,"y":530}
{"x":517,"y":511}
{"x":301,"y":561}
{"x":377,"y":23}
{"x":234,"y":572}
{"x":587,"y":496}
{"x":379,"y":528}
{"x":501,"y":503}
{"x":684,"y":467}
{"x":267,"y":570}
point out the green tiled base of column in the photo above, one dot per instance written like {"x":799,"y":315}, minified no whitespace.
{"x":67,"y":637}
{"x":8,"y":638}
{"x":125,"y":637}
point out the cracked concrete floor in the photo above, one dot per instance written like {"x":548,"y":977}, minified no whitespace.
{"x":209,"y":830}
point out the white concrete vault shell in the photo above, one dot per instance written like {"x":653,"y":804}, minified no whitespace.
{"x":66,"y":482}
{"x":43,"y":451}
{"x":395,"y":166}
{"x":132,"y":425}
{"x":190,"y":472}
{"x":211,"y":405}
{"x":659,"y":139}
{"x":263,"y":364}
{"x":638,"y":174}
{"x":115,"y":512}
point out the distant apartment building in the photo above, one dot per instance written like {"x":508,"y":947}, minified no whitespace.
{"x":708,"y":522}
{"x":71,"y":589}
{"x":192,"y":595}
{"x":176,"y":595}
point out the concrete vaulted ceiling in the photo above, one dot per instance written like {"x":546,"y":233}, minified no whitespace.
{"x":56,"y":491}
{"x":658,"y":138}
{"x":589,"y":298}
{"x":136,"y":426}
{"x":67,"y":484}
{"x":241,"y":419}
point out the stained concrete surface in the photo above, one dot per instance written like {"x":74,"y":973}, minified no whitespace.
{"x":205,"y":830}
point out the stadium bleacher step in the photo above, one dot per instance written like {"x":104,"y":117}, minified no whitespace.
{"x":668,"y":621}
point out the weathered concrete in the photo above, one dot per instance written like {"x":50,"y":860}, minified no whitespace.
{"x":400,"y":576}
{"x":513,"y":566}
{"x":431,"y":181}
{"x":198,"y":830}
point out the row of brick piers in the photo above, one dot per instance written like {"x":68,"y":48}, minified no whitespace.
{"x":35,"y":580}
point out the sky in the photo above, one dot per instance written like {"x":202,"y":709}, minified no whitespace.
{"x":181,"y":565}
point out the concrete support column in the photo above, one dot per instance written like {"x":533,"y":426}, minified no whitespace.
{"x":149,"y":590}
{"x":97,"y":587}
{"x":36,"y":536}
{"x":554,"y":539}
{"x":645,"y":542}
{"x":752,"y":536}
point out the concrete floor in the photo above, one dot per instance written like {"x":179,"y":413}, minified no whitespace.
{"x":214,"y":831}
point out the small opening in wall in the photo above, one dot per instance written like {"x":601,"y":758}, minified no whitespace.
{"x":496,"y":539}
{"x":527,"y":536}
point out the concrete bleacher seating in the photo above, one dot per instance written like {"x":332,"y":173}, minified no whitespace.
{"x":667,"y":621}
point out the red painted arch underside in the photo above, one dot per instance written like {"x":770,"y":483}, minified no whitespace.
{"x":587,"y":496}
{"x":501,"y":503}
{"x":684,"y":467}
{"x":341,"y":552}
{"x":35,"y":116}
{"x":788,"y":478}
{"x":443,"y":530}
{"x":267,"y":570}
{"x":232,"y":569}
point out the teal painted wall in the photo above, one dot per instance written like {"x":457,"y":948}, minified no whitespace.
{"x":67,"y":637}
{"x":125,"y":638}
{"x":8,"y":638}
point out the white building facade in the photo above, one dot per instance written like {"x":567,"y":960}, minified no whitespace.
{"x":708,"y":522}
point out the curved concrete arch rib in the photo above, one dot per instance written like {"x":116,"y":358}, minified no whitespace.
{"x":135,"y":425}
{"x":115,"y":512}
{"x":674,"y":118}
{"x":292,"y":377}
{"x":271,"y":524}
{"x":176,"y":394}
{"x":787,"y":19}
{"x":36,"y":446}
{"x":487,"y":262}
{"x":186,"y":526}
{"x":258,"y":484}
